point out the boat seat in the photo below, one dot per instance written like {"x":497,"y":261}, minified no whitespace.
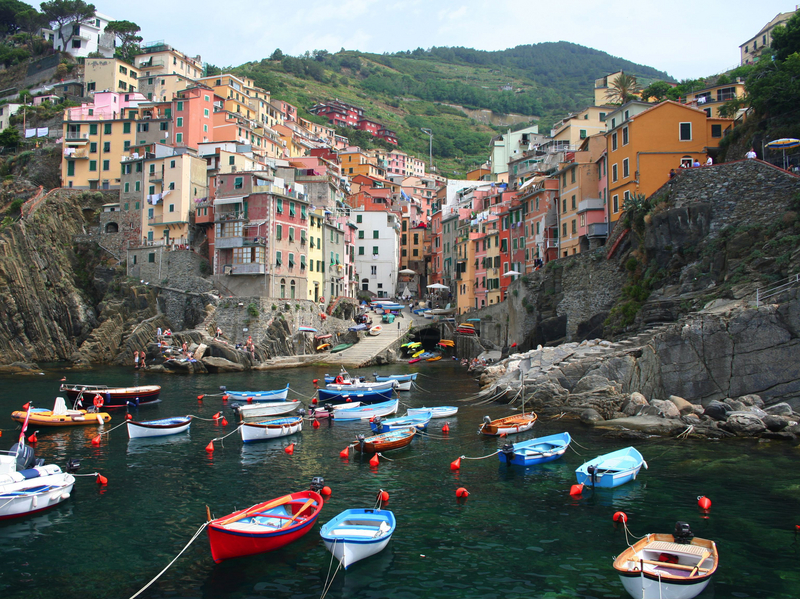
{"x":668,"y":547}
{"x":30,"y":473}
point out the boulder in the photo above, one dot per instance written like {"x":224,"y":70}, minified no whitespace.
{"x":779,"y":409}
{"x":684,"y":407}
{"x":654,"y":425}
{"x":774,"y":423}
{"x":667,"y":408}
{"x":751,"y":400}
{"x":692,"y":419}
{"x":200,"y":352}
{"x":592,"y":383}
{"x":698,"y":409}
{"x":222,"y":365}
{"x":757,"y":411}
{"x":779,"y":436}
{"x":736,"y":406}
{"x":638,"y":399}
{"x":591,"y":416}
{"x":717,"y":410}
{"x":548,"y":393}
{"x":744,"y":424}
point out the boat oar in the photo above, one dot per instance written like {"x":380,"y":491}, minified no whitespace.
{"x":258,"y":508}
{"x":703,"y":557}
{"x":300,"y":511}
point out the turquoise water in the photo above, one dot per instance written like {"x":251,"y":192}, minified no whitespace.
{"x":519,"y":534}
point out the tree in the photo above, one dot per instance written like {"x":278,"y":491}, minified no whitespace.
{"x":656,"y":90}
{"x":64,"y":12}
{"x":31,"y":21}
{"x":10,"y":138}
{"x":126,"y":32}
{"x":277,"y":55}
{"x":786,"y":39}
{"x":9,"y":9}
{"x":623,"y":89}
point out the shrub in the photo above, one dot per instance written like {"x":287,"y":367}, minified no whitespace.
{"x":252,"y":309}
{"x":274,"y":307}
{"x":631,"y":264}
{"x":16,"y":205}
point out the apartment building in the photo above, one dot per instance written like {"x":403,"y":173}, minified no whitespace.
{"x":109,"y":75}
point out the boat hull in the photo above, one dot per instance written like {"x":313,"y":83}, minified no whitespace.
{"x":537,"y":451}
{"x":510,"y":425}
{"x":356,"y":534}
{"x":263,"y":531}
{"x":366,"y":412}
{"x":270,"y":429}
{"x":345,"y":396}
{"x":438,"y":412}
{"x":113,"y":397}
{"x":47,"y":487}
{"x":611,"y":470}
{"x":276,"y":395}
{"x":263,"y":409}
{"x":158,"y":428}
{"x":359,"y":386}
{"x":71,"y":418}
{"x":396,"y":377}
{"x":393,"y":424}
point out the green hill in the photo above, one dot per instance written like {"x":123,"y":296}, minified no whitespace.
{"x":425,"y":88}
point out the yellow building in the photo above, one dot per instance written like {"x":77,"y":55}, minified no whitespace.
{"x":357,"y":162}
{"x":642,"y":148}
{"x":576,"y":127}
{"x":161,"y":59}
{"x":110,"y":74}
{"x":494,"y":294}
{"x":164,"y":88}
{"x":711,"y":99}
{"x":316,"y":256}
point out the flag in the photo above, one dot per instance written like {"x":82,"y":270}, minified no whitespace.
{"x":24,"y":427}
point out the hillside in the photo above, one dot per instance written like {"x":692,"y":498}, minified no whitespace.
{"x":423,"y":88}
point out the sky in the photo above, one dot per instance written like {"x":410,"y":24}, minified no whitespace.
{"x":688,"y":40}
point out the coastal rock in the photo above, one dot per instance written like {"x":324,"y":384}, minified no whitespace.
{"x":779,"y":409}
{"x":548,"y":394}
{"x":744,"y":424}
{"x":213,"y":364}
{"x":717,"y":410}
{"x":653,"y":425}
{"x":774,"y":423}
{"x":593,"y":384}
{"x":779,"y":436}
{"x":752,"y":400}
{"x":591,"y":416}
{"x":684,"y":407}
{"x":638,"y":399}
{"x":736,"y":406}
{"x":666,"y":408}
{"x":634,"y":404}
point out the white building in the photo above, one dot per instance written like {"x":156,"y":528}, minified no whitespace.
{"x":377,"y":250}
{"x":5,"y":114}
{"x":84,"y":38}
{"x":510,"y":145}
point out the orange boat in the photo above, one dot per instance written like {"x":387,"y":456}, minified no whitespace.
{"x":386,"y":441}
{"x":60,"y":416}
{"x":509,"y":425}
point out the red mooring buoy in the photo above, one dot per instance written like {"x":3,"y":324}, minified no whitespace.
{"x":576,"y":490}
{"x":315,"y":424}
{"x":455,"y":464}
{"x":345,"y":453}
{"x":96,"y":440}
{"x":704,"y":502}
{"x":33,"y":439}
{"x":101,"y":480}
{"x":210,"y":447}
{"x":461,"y":493}
{"x":289,"y":449}
{"x":383,"y":496}
{"x":326,"y":491}
{"x":374,"y":461}
{"x":446,"y":428}
{"x":620,"y":517}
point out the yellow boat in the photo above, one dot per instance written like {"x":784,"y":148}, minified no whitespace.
{"x":60,"y":416}
{"x":419,"y":353}
{"x":447,"y":343}
{"x":323,"y":347}
{"x":433,"y":359}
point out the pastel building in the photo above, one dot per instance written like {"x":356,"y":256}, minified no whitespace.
{"x":109,"y":74}
{"x":158,"y":58}
{"x":752,"y":48}
{"x":84,"y":38}
{"x":378,"y":254}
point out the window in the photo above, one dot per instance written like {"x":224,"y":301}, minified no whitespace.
{"x":614,"y":176}
{"x":302,"y":262}
{"x":573,"y":202}
{"x":205,"y":112}
{"x":172,"y":185}
{"x":279,"y":232}
{"x":106,"y":146}
{"x":361,"y":250}
{"x":171,"y":164}
{"x":572,"y":175}
{"x":179,"y":138}
{"x":126,"y":127}
{"x":625,"y":168}
{"x":238,"y":183}
{"x":564,"y":229}
{"x":92,"y":165}
{"x":277,"y":258}
{"x":279,"y":207}
{"x":565,"y":205}
{"x":126,"y":145}
{"x":93,"y":129}
{"x":172,"y":207}
{"x":93,"y":147}
{"x":179,"y":122}
{"x":127,"y":188}
{"x":291,"y":209}
{"x":179,"y":107}
{"x":373,"y":270}
{"x":291,"y":233}
{"x":151,"y":257}
{"x":358,"y":218}
{"x":76,"y":43}
{"x":361,"y":234}
{"x":375,"y":235}
{"x":716,"y":130}
{"x":303,"y":215}
{"x":107,"y":129}
{"x":615,"y":203}
{"x":624,"y":136}
{"x":686,"y":132}
{"x":374,"y":250}
{"x":583,"y":133}
{"x":574,"y":226}
{"x":613,"y":141}
{"x":137,"y":186}
{"x":291,"y":260}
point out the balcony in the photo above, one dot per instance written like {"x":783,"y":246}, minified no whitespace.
{"x":75,"y":137}
{"x":597,"y":230}
{"x":591,"y":204}
{"x":229,"y":216}
{"x":224,"y":243}
{"x":156,"y":177}
{"x":253,"y":268}
{"x":169,"y":219}
{"x":76,"y":155}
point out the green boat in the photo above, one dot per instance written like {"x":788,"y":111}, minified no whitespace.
{"x":341,"y":347}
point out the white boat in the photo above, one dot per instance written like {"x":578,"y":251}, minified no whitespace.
{"x":327,"y":410}
{"x":370,"y":411}
{"x":276,"y":395}
{"x":362,"y":386}
{"x":376,"y":330}
{"x":438,"y":412}
{"x":358,"y":533}
{"x":263,"y":409}
{"x":158,"y":428}
{"x":26,"y":488}
{"x":270,"y":429}
{"x":664,"y":566}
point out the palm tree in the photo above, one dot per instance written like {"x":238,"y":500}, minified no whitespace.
{"x":623,"y":89}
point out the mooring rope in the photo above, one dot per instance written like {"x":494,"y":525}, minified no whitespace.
{"x":463,"y":457}
{"x":226,"y":436}
{"x":329,"y":578}
{"x":302,"y":394}
{"x":206,"y":419}
{"x":629,"y":533}
{"x":112,"y":429}
{"x":197,"y":534}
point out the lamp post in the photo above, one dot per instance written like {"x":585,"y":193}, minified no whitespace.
{"x":429,"y":133}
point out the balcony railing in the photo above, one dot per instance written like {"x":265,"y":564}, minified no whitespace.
{"x":597,"y":230}
{"x":170,"y":219}
{"x":253,"y":268}
{"x":591,"y":204}
{"x":229,"y":216}
{"x":224,"y":243}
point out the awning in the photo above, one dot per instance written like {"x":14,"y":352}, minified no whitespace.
{"x":236,"y":200}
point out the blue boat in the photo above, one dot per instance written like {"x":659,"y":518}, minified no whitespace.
{"x":396,"y":377}
{"x":277,"y":395}
{"x":345,"y":396}
{"x":420,"y":422}
{"x":369,"y":412}
{"x":612,"y":469}
{"x":535,"y":451}
{"x":357,"y":533}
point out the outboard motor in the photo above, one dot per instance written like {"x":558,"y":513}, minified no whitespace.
{"x":378,"y":421}
{"x":508,"y":451}
{"x":487,"y":420}
{"x":328,"y":407}
{"x":592,"y":474}
{"x":317,"y":483}
{"x":301,"y":412}
{"x":235,"y":407}
{"x":360,"y":440}
{"x":223,"y":388}
{"x":25,"y":456}
{"x":683,"y":533}
{"x":73,"y":465}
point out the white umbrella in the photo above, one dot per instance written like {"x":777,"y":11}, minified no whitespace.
{"x":406,"y":271}
{"x":511,"y":273}
{"x":438,"y":286}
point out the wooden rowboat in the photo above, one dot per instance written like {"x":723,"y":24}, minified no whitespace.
{"x":611,"y":469}
{"x":264,"y":527}
{"x":676,"y":566}
{"x":509,"y":425}
{"x":437,"y":412}
{"x":158,"y":428}
{"x":535,"y":451}
{"x":276,"y":395}
{"x":113,"y":397}
{"x":271,"y":429}
{"x":385,"y":441}
{"x":264,"y":409}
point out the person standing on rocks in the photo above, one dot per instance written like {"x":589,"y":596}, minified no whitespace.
{"x":142,"y":363}
{"x":136,"y":360}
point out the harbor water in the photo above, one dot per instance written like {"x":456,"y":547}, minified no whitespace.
{"x":518,"y":534}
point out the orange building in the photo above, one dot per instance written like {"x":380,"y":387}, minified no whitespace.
{"x":193,"y":110}
{"x":642,"y":148}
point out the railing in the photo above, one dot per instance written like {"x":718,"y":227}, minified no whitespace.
{"x":769,"y":292}
{"x":590,"y":204}
{"x":254,"y":268}
{"x":224,"y":243}
{"x":597,"y":230}
{"x":159,"y":220}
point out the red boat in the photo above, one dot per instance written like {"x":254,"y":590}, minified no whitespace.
{"x":264,"y":527}
{"x":112,"y":397}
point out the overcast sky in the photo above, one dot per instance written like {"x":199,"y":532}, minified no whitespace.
{"x":686,"y":39}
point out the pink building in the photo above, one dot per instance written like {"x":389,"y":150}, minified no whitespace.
{"x":106,"y":106}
